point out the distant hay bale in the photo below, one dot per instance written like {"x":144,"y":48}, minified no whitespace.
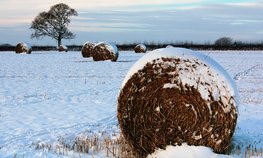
{"x":23,"y":47}
{"x":140,"y":48}
{"x":87,"y":49}
{"x":105,"y":51}
{"x":169,"y":46}
{"x":62,"y":48}
{"x":174,"y":95}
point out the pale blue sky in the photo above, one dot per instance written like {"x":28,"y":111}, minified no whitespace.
{"x":125,"y":21}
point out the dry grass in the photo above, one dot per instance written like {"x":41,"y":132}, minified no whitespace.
{"x":117,"y":147}
{"x":246,"y":151}
{"x":92,"y":145}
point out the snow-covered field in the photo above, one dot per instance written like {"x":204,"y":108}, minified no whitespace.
{"x":49,"y":96}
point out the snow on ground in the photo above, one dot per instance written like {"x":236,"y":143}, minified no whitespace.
{"x":48,"y":95}
{"x":247,"y":69}
{"x":186,"y":151}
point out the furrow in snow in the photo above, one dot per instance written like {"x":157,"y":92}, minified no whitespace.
{"x":242,"y":74}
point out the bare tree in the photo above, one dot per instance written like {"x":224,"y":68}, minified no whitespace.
{"x":224,"y":41}
{"x":54,"y":23}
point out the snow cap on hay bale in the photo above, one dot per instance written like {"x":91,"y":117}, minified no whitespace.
{"x":140,"y":48}
{"x":62,"y":48}
{"x":105,"y":51}
{"x":169,"y":46}
{"x":23,"y":47}
{"x":87,"y":49}
{"x":173,"y":96}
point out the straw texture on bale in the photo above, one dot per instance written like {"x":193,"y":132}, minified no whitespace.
{"x":156,"y":109}
{"x":105,"y":51}
{"x":87,"y":49}
{"x":62,"y":48}
{"x":140,"y":48}
{"x":23,"y":48}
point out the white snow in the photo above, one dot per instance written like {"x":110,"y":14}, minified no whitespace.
{"x":45,"y":96}
{"x":186,"y":151}
{"x":169,"y":46}
{"x":170,"y":85}
{"x":26,"y":45}
{"x":64,"y":47}
{"x":88,"y":43}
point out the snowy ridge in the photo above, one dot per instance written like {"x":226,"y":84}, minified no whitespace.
{"x":88,"y":42}
{"x":141,"y":46}
{"x":186,"y":151}
{"x":27,"y":45}
{"x":240,"y":75}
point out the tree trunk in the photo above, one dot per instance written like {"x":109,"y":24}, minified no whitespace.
{"x":59,"y":42}
{"x":59,"y":39}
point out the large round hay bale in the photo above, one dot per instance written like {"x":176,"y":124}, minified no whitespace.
{"x":62,"y":48}
{"x":173,"y":96}
{"x":105,"y":51}
{"x":23,"y":47}
{"x":87,"y":49}
{"x":140,"y":48}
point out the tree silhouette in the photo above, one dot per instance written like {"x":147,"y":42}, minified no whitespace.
{"x":224,"y":41}
{"x":54,"y":23}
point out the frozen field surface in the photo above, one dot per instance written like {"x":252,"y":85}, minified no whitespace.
{"x":45,"y":96}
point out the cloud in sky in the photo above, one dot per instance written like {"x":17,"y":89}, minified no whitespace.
{"x":136,"y":20}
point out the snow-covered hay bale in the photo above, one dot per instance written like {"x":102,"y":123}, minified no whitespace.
{"x":105,"y":51}
{"x":140,"y":48}
{"x":173,"y":96}
{"x":87,"y":49}
{"x":23,"y":47}
{"x":62,"y":48}
{"x":169,"y":46}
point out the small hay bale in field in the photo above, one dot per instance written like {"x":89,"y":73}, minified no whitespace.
{"x":140,"y":48}
{"x":169,"y":46}
{"x":23,"y":47}
{"x":105,"y":51}
{"x":173,"y":96}
{"x":87,"y":49}
{"x":62,"y":48}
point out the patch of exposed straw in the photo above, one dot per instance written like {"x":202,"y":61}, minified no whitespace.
{"x":140,"y":48}
{"x":87,"y":49}
{"x":104,"y":51}
{"x":62,"y":48}
{"x":23,"y":48}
